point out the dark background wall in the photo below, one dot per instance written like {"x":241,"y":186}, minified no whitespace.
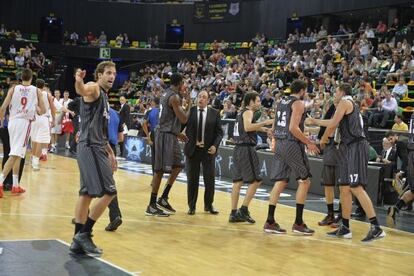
{"x":143,"y":20}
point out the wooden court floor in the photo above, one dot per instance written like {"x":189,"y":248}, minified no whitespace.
{"x":195,"y":245}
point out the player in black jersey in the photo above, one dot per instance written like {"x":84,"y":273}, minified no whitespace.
{"x":408,"y":196}
{"x":290,"y":157}
{"x":246,"y":167}
{"x":353,"y":160}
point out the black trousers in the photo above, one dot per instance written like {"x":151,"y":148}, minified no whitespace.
{"x":5,"y":139}
{"x":200,"y":157}
{"x":114,"y":210}
{"x":152,"y":135}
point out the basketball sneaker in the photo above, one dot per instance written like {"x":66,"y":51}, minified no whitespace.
{"x":375,"y":233}
{"x":164,"y":205}
{"x":84,"y":240}
{"x":17,"y":190}
{"x":341,"y":232}
{"x":337,"y":222}
{"x":245,"y":216}
{"x":273,"y":228}
{"x":233,"y":218}
{"x":76,"y":249}
{"x":391,"y":216}
{"x":302,"y":229}
{"x":155,"y":211}
{"x":328,"y":220}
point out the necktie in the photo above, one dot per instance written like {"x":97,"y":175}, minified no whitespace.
{"x":200,"y":127}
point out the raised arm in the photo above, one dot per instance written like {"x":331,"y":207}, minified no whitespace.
{"x":90,"y":90}
{"x":178,"y":109}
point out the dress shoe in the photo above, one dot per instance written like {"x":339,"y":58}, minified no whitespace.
{"x":191,"y":212}
{"x":211,"y":210}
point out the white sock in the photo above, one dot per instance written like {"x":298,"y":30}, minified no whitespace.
{"x":44,"y":151}
{"x":2,"y":179}
{"x":15,"y":180}
{"x":35,"y":160}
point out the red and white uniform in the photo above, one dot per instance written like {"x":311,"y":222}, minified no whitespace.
{"x":41,"y":126}
{"x":22,"y":112}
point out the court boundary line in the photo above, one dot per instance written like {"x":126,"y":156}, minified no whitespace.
{"x":218,"y":227}
{"x":68,"y":245}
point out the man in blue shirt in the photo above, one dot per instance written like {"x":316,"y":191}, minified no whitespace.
{"x":150,"y":124}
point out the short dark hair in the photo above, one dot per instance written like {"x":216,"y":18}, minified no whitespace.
{"x":156,"y":100}
{"x":176,"y":79}
{"x":399,"y":115}
{"x":297,"y":85}
{"x":248,"y":97}
{"x":346,"y":88}
{"x":27,"y":74}
{"x":40,"y":83}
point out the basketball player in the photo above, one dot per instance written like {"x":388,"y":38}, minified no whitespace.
{"x":168,"y":156}
{"x":408,"y":196}
{"x":246,"y":168}
{"x":23,"y":101}
{"x":40,"y":133}
{"x":290,"y":157}
{"x":353,"y":165}
{"x":95,"y":157}
{"x":330,"y":170}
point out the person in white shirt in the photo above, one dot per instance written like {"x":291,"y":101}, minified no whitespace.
{"x":385,"y":110}
{"x":19,"y":60}
{"x":57,"y":128}
{"x":400,"y":89}
{"x":67,"y":126}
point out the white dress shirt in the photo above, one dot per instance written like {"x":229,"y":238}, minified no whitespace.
{"x":205,"y":110}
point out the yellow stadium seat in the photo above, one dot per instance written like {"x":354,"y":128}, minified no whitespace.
{"x":186,"y":46}
{"x":245,"y":45}
{"x":135,"y":44}
{"x":112,"y":43}
{"x":10,"y":63}
{"x":193,"y":46}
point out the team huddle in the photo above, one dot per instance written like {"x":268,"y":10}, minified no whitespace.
{"x":345,"y":159}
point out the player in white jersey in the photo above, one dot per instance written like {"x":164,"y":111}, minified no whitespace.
{"x":67,"y":126}
{"x":40,"y":130}
{"x":23,"y":101}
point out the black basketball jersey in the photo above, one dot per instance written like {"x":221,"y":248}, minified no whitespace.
{"x":282,"y":119}
{"x":410,"y":145}
{"x":351,"y":127}
{"x":168,"y":121}
{"x":94,"y":119}
{"x":240,"y":135}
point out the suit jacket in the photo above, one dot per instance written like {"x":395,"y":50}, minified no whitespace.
{"x":124,"y":115}
{"x":213,"y":133}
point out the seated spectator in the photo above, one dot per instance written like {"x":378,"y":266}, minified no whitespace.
{"x":18,"y":35}
{"x":408,"y":66}
{"x":399,"y":142}
{"x":399,"y":124}
{"x":126,"y":40}
{"x":119,"y":40}
{"x":102,"y":40}
{"x":91,"y":38}
{"x":385,"y":110}
{"x":400,"y":90}
{"x":74,"y":38}
{"x":19,"y":59}
{"x":3,"y":29}
{"x":268,"y":101}
{"x":392,"y":30}
{"x":388,"y":154}
{"x":12,"y":51}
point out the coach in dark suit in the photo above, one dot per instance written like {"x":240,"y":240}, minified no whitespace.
{"x":125,"y":118}
{"x":204,"y":136}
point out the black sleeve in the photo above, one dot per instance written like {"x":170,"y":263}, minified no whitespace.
{"x":219,"y":131}
{"x":120,"y":127}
